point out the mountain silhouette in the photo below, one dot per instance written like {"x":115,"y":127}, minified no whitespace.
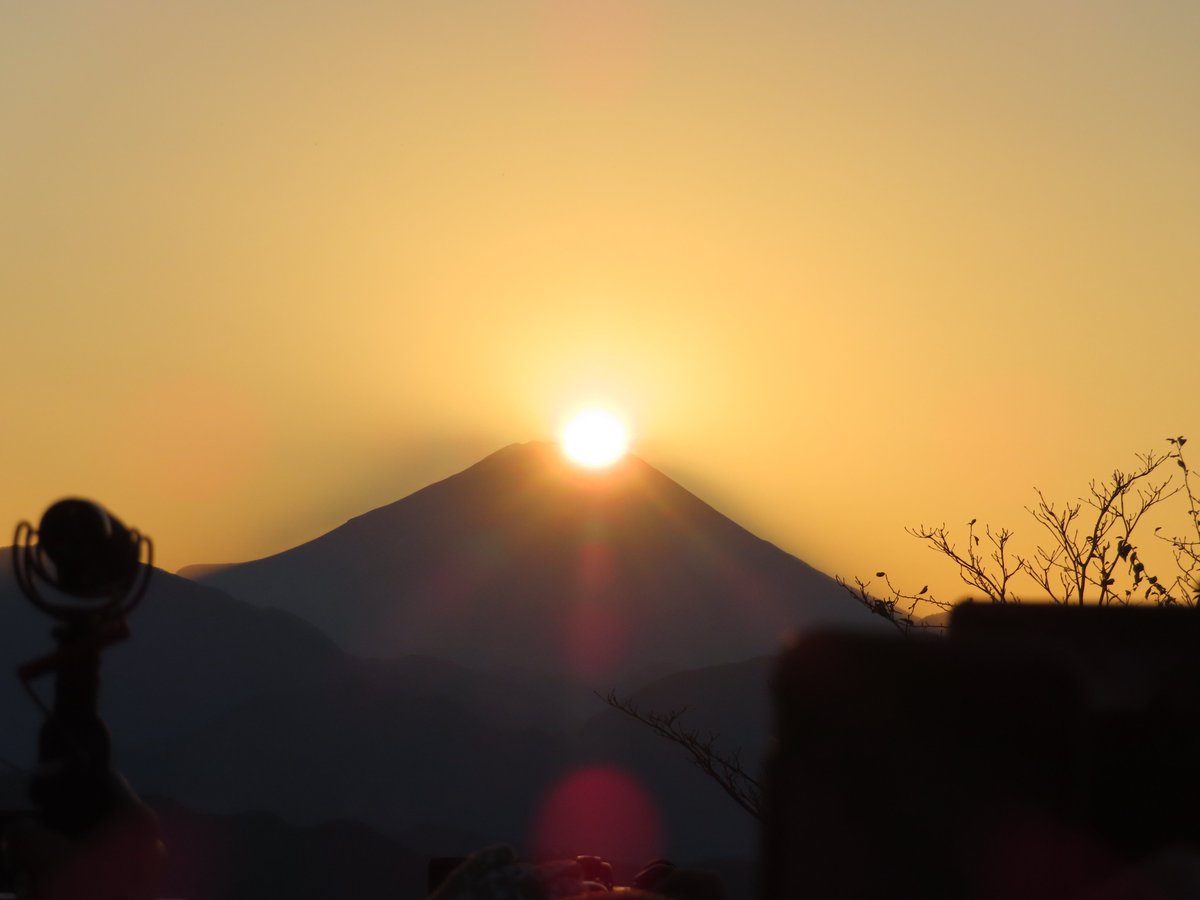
{"x":229,"y":707}
{"x":730,"y":702}
{"x":251,"y":856}
{"x":193,"y":654}
{"x":524,"y":560}
{"x":238,"y":692}
{"x":413,"y":758}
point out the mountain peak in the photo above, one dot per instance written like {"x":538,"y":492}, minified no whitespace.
{"x":547,"y":456}
{"x":526,"y":559}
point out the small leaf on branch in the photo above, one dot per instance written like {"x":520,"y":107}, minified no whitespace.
{"x":881,"y":574}
{"x":922,"y":590}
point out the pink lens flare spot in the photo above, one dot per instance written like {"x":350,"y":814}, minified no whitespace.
{"x":599,"y":811}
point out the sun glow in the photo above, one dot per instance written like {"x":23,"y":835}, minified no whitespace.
{"x":594,"y":439}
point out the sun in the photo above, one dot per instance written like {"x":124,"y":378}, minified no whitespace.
{"x":594,"y":439}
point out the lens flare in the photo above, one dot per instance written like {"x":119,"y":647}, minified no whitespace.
{"x":600,"y":810}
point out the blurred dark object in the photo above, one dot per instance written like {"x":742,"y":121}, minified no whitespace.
{"x":596,"y":870}
{"x":649,"y":876}
{"x":1037,"y":752}
{"x":495,"y":873}
{"x":87,"y":557}
{"x":439,"y":870}
{"x":1139,"y":671}
{"x":90,"y":837}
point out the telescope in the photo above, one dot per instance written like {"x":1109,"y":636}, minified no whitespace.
{"x":91,"y":837}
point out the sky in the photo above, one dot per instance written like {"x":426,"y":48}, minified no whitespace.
{"x":845,"y":267}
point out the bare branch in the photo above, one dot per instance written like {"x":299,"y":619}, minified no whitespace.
{"x":1088,"y":547}
{"x":1185,"y":586}
{"x":1082,"y":554}
{"x":988,"y":571}
{"x":725,"y":769}
{"x":899,"y":608}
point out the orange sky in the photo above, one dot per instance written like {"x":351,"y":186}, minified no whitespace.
{"x":847,"y":267}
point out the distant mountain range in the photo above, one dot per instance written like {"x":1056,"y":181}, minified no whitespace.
{"x":252,"y":856}
{"x":526,"y":560}
{"x":194,"y":653}
{"x":230,"y":708}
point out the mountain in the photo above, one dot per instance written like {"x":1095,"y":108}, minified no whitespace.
{"x":730,"y":702}
{"x":525,"y":560}
{"x":251,"y":856}
{"x":229,"y":707}
{"x":193,"y":653}
{"x":468,"y":594}
{"x":259,"y":856}
{"x":422,"y":766}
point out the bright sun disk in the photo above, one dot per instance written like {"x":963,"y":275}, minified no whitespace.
{"x":594,"y":439}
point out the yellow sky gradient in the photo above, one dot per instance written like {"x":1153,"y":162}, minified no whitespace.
{"x":846,"y":266}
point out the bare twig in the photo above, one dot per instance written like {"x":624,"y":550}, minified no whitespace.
{"x":898,"y":607}
{"x":1185,"y":586}
{"x":1089,"y":548}
{"x":988,"y":571}
{"x":1085,"y":550}
{"x":725,"y":769}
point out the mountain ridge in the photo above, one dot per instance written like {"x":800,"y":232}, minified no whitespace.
{"x":228,"y":707}
{"x":523,"y":558}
